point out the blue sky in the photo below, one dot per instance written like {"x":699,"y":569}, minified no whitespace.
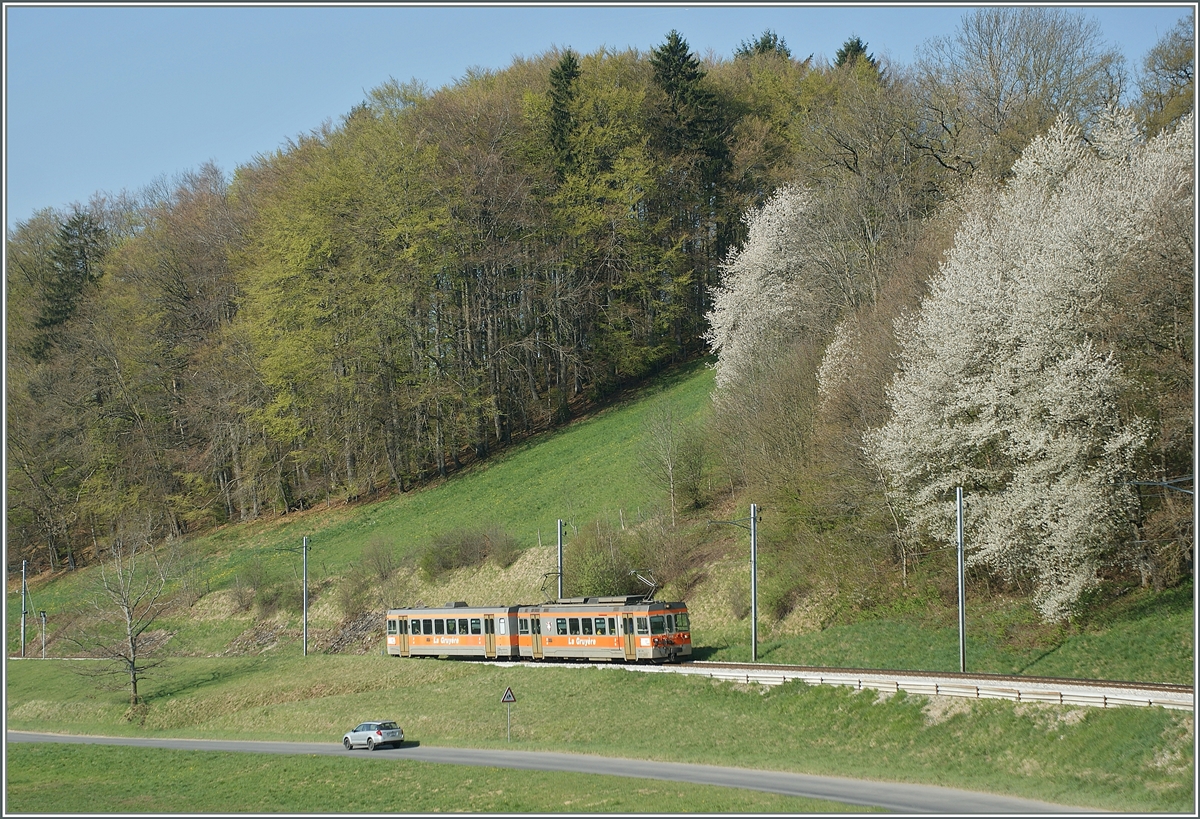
{"x":105,"y":98}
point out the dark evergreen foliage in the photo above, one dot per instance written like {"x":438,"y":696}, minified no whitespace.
{"x":562,"y":95}
{"x":767,"y":43}
{"x":76,"y":257}
{"x":853,"y":50}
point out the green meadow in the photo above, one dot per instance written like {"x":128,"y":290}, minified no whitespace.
{"x":1130,"y":759}
{"x":222,"y":679}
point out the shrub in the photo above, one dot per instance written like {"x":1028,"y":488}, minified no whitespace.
{"x":461,"y":548}
{"x":380,"y":557}
{"x":595,"y":565}
{"x":354,"y":592}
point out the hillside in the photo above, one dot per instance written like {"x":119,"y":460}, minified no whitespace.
{"x":238,"y":591}
{"x":236,"y":574}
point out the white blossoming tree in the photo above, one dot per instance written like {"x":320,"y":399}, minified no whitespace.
{"x":1001,"y":388}
{"x":759,"y":304}
{"x":802,"y":264}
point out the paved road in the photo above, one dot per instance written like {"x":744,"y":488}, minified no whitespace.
{"x":894,"y":796}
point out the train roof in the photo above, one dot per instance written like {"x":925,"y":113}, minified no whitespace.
{"x":457,"y":606}
{"x":620,"y":600}
{"x":563,"y":603}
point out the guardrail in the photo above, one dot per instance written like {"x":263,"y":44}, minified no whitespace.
{"x":1012,"y":690}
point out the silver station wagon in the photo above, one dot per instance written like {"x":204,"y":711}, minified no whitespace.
{"x":373,"y":734}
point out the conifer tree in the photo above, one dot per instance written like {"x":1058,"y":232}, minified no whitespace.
{"x":853,"y":50}
{"x":562,"y":95}
{"x":767,"y":43}
{"x":76,"y":256}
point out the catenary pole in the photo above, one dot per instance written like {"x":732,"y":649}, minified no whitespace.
{"x":24,"y":593}
{"x":753,"y":583}
{"x":560,"y":568}
{"x":962,"y":591}
{"x":753,"y":527}
{"x":305,"y":562}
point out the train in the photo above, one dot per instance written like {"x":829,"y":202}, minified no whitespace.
{"x":627,"y":628}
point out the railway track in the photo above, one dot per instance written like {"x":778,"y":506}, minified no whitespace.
{"x":1094,"y":693}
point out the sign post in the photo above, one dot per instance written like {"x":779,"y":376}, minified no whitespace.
{"x":508,"y":699}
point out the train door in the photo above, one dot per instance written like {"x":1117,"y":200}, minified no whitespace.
{"x":489,"y":636}
{"x":403,"y":637}
{"x":627,"y":630}
{"x":535,"y":635}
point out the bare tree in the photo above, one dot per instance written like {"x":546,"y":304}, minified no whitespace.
{"x":673,"y":458}
{"x":128,"y":597}
{"x":1004,"y":76}
{"x":660,"y":453}
{"x":1167,"y":82}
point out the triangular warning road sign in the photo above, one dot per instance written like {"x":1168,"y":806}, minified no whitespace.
{"x":508,"y":696}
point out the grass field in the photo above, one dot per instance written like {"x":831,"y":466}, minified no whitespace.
{"x":72,"y":779}
{"x":231,"y":671}
{"x":1152,"y":642}
{"x":1134,"y":759}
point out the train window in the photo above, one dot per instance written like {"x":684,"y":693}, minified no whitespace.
{"x":503,"y":626}
{"x":574,"y":621}
{"x":612,"y":625}
{"x":600,"y":626}
{"x":404,"y":627}
{"x":462,"y":625}
{"x":681,"y":621}
{"x":562,"y":625}
{"x":522,"y":625}
{"x":489,"y":626}
{"x":439,"y":626}
{"x":658,"y":624}
{"x":393,"y":626}
{"x":452,"y":626}
{"x":536,"y":624}
{"x":586,"y":625}
{"x":475,"y":627}
{"x":416,"y":626}
{"x":643,"y":626}
{"x":428,"y":626}
{"x":670,"y":623}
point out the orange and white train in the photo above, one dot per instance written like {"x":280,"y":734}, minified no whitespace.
{"x":628,"y":628}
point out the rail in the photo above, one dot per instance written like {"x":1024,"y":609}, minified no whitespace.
{"x":1095,"y":693}
{"x":1061,"y":691}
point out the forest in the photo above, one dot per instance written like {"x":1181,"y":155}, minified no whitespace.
{"x":976,"y":270}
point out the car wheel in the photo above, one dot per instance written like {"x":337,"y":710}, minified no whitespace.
{"x":346,"y":742}
{"x":370,"y":744}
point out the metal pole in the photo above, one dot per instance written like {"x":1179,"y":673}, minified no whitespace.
{"x":510,"y":722}
{"x":43,"y":635}
{"x":23,"y":595}
{"x":753,"y":583}
{"x":962,"y":591}
{"x":560,"y":572}
{"x":305,"y":552}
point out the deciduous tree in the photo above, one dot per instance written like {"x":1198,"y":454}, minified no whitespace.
{"x":1003,"y":388}
{"x":129,"y":596}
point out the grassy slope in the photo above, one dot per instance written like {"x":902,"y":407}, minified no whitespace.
{"x":586,"y":471}
{"x":1122,"y":758}
{"x":589,"y":470}
{"x":1149,"y":641}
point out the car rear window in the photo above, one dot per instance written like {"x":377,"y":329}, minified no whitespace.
{"x":387,"y":726}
